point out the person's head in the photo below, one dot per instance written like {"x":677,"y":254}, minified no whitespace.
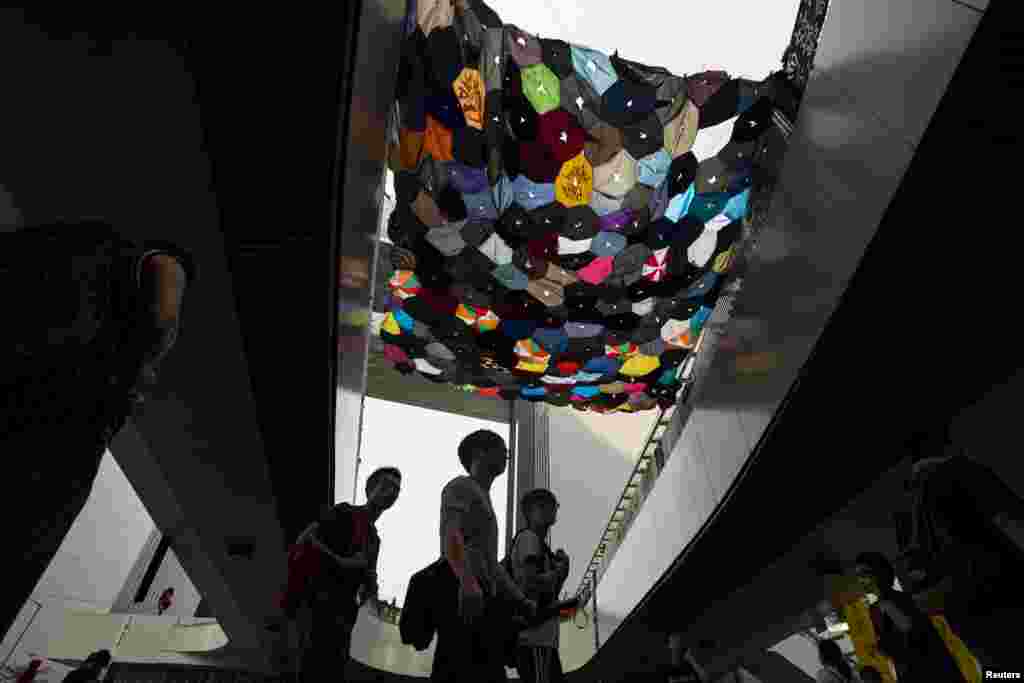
{"x":170,"y":591}
{"x":540,"y":508}
{"x":831,"y":655}
{"x":383,"y":486}
{"x":483,"y":452}
{"x":876,"y":568}
{"x":98,"y":660}
{"x":870,"y":674}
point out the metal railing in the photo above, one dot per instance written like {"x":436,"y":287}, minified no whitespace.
{"x":650,"y":463}
{"x":39,"y":606}
{"x":639,"y":484}
{"x":648,"y":466}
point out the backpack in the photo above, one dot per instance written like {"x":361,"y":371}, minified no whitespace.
{"x":430,"y":598}
{"x":506,"y":562}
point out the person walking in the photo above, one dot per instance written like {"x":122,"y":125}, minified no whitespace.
{"x":540,"y":574}
{"x":470,"y":645}
{"x":347,"y":539}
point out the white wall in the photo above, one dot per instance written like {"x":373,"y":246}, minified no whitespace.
{"x":91,"y":567}
{"x":592,"y":456}
{"x":681,"y":500}
{"x":186,"y":595}
{"x":99,"y":551}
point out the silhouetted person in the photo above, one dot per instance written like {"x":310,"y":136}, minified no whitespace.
{"x":347,"y":537}
{"x":91,"y":670}
{"x":905,"y":633}
{"x":834,"y":667}
{"x":88,"y":317}
{"x":540,"y":574}
{"x":470,"y":645}
{"x":166,"y":600}
{"x":967,"y":538}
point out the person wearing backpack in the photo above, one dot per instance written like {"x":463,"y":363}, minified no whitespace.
{"x":540,"y":574}
{"x":470,"y":635}
{"x":349,"y":545}
{"x":905,"y":633}
{"x":88,"y":317}
{"x":967,"y":542}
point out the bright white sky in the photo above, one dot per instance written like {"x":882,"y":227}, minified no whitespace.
{"x":423,"y":444}
{"x":741,"y":37}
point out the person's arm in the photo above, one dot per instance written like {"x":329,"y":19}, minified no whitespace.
{"x":169,"y":280}
{"x":509,"y":587}
{"x":163,"y":281}
{"x":528,"y":556}
{"x":306,"y":534}
{"x":357,"y":561}
{"x":371,"y":589}
{"x":455,"y":551}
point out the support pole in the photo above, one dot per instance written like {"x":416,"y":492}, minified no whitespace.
{"x":510,"y":502}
